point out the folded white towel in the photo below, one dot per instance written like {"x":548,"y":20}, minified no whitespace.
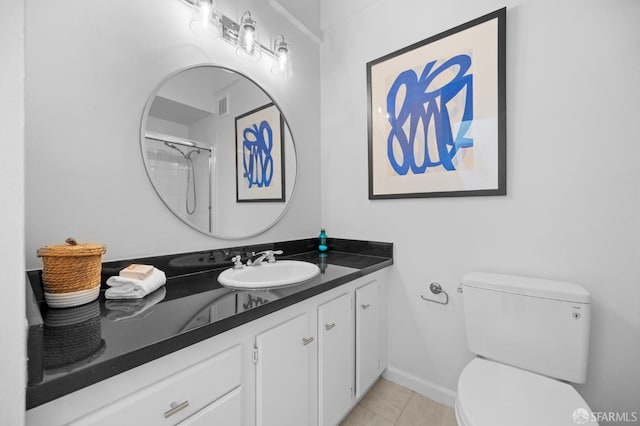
{"x":119,"y":310}
{"x":131,"y":288}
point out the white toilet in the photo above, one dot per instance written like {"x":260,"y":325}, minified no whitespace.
{"x":532,"y":336}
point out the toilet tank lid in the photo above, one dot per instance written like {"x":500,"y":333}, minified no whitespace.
{"x":527,"y":286}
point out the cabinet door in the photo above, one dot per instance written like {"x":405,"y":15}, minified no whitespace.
{"x":283,"y":374}
{"x":225,"y":411}
{"x":336,"y":359}
{"x":367,"y":336}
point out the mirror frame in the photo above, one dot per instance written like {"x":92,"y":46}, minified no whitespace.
{"x":143,"y":126}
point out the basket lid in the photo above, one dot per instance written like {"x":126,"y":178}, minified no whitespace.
{"x":72,"y":248}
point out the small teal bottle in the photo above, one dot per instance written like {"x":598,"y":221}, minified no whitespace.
{"x":322,"y":243}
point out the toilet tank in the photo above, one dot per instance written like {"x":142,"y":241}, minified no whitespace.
{"x":536,"y":324}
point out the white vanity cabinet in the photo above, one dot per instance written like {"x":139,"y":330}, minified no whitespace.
{"x":296,"y":366}
{"x":336,"y":360}
{"x":284,"y":355}
{"x":369,"y":364}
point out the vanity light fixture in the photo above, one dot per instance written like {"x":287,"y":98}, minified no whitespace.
{"x":243,"y":36}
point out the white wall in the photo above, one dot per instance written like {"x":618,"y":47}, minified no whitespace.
{"x":12,"y":313}
{"x":573,"y":207}
{"x":90,"y":67}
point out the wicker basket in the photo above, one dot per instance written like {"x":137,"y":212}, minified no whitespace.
{"x":71,"y":267}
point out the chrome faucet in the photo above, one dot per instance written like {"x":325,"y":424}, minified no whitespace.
{"x":268,"y":255}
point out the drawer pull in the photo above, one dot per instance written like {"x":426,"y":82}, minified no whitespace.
{"x":366,"y":306}
{"x":329,"y":326}
{"x":175,"y":407}
{"x":307,"y":341}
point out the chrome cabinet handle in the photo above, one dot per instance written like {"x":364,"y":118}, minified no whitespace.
{"x":366,"y":306}
{"x":175,"y":407}
{"x":307,"y":341}
{"x":329,"y":326}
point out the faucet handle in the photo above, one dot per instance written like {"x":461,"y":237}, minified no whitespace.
{"x":237,"y":262}
{"x":266,"y":255}
{"x":271,"y":255}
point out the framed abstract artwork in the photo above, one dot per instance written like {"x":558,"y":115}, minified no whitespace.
{"x":260,"y":172}
{"x":437,"y":114}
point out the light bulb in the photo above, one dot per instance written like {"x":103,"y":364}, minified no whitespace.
{"x":205,"y":13}
{"x":281,"y":50}
{"x":283,"y":60}
{"x":248,"y":42}
{"x":204,"y":18}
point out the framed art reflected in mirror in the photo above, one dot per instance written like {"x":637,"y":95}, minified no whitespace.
{"x":260,"y":156}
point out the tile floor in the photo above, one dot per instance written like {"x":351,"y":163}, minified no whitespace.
{"x":388,"y":404}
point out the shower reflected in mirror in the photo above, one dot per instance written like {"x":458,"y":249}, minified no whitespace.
{"x":173,"y":161}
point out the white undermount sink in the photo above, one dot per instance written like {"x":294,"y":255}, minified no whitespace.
{"x":269,"y":275}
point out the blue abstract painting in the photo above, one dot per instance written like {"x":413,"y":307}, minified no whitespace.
{"x":424,"y":107}
{"x":437,"y":114}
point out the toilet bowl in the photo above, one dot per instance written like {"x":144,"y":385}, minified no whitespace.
{"x":531,"y":338}
{"x":494,"y":394}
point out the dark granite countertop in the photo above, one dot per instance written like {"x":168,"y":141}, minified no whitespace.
{"x":72,"y":348}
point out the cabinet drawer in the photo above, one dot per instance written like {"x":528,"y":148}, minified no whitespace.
{"x":175,"y":397}
{"x":226,"y":411}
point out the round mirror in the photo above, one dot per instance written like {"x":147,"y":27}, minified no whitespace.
{"x":218,"y":152}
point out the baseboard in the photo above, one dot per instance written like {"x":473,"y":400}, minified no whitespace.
{"x":430,"y":390}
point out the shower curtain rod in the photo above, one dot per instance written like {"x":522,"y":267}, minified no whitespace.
{"x":175,"y":140}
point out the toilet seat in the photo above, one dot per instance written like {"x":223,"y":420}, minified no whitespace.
{"x":494,"y":394}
